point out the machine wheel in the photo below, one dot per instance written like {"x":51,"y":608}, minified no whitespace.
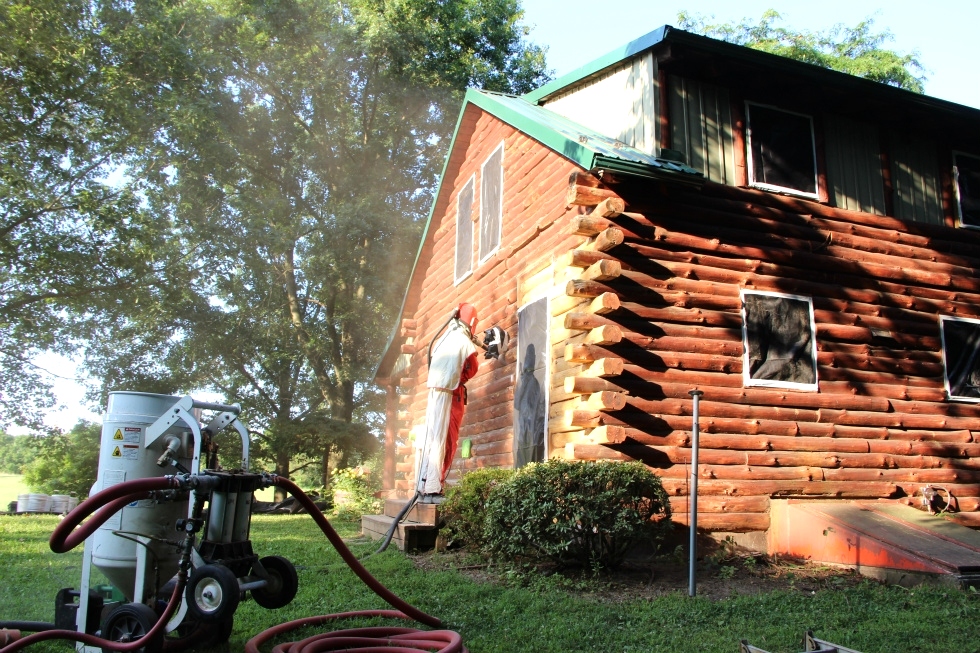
{"x":130,"y":621}
{"x":212,"y":594}
{"x":195,"y":634}
{"x":282,"y":586}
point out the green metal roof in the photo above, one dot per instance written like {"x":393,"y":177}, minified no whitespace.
{"x":581,"y":145}
{"x":570,"y":139}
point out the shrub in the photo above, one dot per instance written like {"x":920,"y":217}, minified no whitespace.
{"x":577,"y":512}
{"x":353,"y":491}
{"x":465,"y":506}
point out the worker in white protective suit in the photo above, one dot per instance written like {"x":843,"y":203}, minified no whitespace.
{"x":454,"y":361}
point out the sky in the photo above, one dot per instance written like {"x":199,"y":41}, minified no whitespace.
{"x":578,"y":31}
{"x":944,"y":34}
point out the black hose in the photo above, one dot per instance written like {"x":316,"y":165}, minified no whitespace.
{"x":394,"y":524}
{"x":29,"y":626}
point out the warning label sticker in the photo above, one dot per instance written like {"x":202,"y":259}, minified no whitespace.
{"x":117,"y":435}
{"x":132,"y":434}
{"x":126,"y":451}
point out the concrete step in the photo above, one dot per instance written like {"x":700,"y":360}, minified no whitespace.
{"x":409,"y":536}
{"x":883,"y":539}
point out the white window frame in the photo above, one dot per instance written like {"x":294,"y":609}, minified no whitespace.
{"x":761,"y":185}
{"x":747,"y":379}
{"x":943,"y":319}
{"x":956,"y":189}
{"x":484,"y":256}
{"x":469,"y":270}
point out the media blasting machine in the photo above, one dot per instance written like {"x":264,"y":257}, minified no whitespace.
{"x":139,"y":547}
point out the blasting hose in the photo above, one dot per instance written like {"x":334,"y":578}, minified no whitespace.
{"x":389,"y":639}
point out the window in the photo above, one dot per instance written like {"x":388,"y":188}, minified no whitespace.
{"x":491,"y":202}
{"x":464,"y":231}
{"x":967,"y":173}
{"x":531,"y":393}
{"x":779,"y":338}
{"x":961,"y":357}
{"x":781,"y":151}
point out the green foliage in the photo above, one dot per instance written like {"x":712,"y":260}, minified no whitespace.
{"x":353,"y":492}
{"x":466,"y":503}
{"x":588,"y":513}
{"x":67,"y":463}
{"x":854,"y":50}
{"x":15,"y":453}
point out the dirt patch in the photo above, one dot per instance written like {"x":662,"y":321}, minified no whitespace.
{"x":722,"y":571}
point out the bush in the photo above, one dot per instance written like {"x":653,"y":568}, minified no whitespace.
{"x":577,"y":512}
{"x":353,"y":492}
{"x":465,"y":506}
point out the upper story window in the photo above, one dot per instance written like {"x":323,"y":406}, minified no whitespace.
{"x":781,"y":151}
{"x":967,"y":171}
{"x":491,"y":202}
{"x":464,"y":231}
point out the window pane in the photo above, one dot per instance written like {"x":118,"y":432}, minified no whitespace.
{"x":778,"y":334}
{"x":968,"y":187}
{"x":530,"y":406}
{"x":464,"y":230}
{"x":491,"y":183}
{"x":961,"y":357}
{"x":782,"y":150}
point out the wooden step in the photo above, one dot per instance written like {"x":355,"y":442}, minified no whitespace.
{"x":409,"y":536}
{"x":423,"y":513}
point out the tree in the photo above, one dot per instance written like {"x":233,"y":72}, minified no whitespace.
{"x":82,"y":87}
{"x":300,"y":171}
{"x":66,"y":463}
{"x":854,"y":50}
{"x":15,"y":453}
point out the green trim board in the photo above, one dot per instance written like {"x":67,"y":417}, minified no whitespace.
{"x":581,"y":145}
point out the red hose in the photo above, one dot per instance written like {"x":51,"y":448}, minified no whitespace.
{"x":114,"y":497}
{"x":363,"y":640}
{"x":92,"y":640}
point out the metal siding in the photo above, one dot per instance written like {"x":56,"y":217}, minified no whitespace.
{"x":853,"y":155}
{"x":701,"y":128}
{"x":915,"y":178}
{"x":620,"y":104}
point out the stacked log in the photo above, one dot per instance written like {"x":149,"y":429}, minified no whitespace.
{"x":664,"y":317}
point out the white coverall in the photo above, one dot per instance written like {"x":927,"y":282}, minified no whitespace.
{"x":449,"y":355}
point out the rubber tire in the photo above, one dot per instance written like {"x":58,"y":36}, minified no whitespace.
{"x":283,"y":583}
{"x":130,"y":621}
{"x":212,"y":594}
{"x":194,"y":634}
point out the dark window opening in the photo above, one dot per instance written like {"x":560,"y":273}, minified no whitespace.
{"x":780,"y":341}
{"x":782,"y":155}
{"x":961,"y":357}
{"x":968,"y":188}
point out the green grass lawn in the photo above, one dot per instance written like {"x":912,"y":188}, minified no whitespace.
{"x":498,"y":617}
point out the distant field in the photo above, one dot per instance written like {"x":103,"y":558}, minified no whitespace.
{"x":10,"y":486}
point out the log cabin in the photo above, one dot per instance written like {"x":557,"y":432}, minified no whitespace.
{"x":798,"y":244}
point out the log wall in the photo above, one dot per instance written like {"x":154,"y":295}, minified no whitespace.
{"x":664,"y":318}
{"x":534,"y":215}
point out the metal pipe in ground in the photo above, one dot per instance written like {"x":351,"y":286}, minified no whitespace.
{"x":692,"y":584}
